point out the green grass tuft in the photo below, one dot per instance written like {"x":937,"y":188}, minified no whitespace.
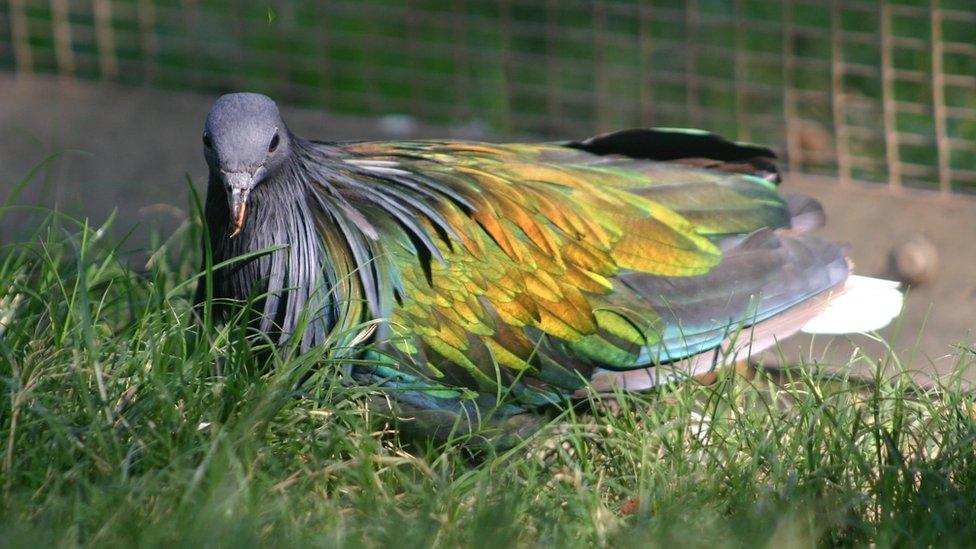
{"x":122,"y":421}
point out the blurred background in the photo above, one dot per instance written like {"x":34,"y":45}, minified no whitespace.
{"x":871,"y":104}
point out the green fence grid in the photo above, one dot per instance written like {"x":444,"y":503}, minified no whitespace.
{"x":879,"y":90}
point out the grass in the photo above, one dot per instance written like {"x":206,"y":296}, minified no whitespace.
{"x":123,"y":421}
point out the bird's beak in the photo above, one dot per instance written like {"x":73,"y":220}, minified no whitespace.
{"x":238,"y":188}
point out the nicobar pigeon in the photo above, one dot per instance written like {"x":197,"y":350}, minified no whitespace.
{"x":501,"y":278}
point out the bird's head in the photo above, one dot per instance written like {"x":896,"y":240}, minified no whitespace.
{"x":244,"y":141}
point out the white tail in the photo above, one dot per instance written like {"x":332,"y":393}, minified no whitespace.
{"x":864,"y":304}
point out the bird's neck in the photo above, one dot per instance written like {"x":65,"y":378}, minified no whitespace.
{"x":302,"y":289}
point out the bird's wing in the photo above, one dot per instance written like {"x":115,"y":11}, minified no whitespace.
{"x":523,"y":267}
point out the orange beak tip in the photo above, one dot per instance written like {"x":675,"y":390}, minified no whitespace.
{"x":238,"y":220}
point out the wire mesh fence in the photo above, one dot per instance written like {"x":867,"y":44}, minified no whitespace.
{"x":881,"y":90}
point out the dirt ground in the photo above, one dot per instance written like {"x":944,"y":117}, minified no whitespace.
{"x":131,"y":149}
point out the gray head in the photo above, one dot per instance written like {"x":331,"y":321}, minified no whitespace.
{"x":244,"y":141}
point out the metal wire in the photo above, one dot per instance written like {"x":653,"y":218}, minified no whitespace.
{"x":874,"y":90}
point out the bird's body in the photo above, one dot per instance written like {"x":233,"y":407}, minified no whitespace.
{"x":523,"y":271}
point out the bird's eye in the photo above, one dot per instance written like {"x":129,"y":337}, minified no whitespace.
{"x":274,"y":143}
{"x":206,"y":140}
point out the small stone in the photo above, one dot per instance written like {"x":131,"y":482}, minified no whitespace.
{"x":398,"y":125}
{"x":916,"y":260}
